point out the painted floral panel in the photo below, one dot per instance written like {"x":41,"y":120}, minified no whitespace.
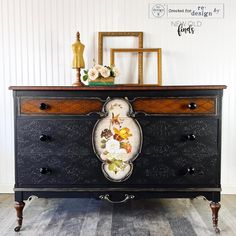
{"x":117,"y":140}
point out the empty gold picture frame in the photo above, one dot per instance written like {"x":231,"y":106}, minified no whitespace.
{"x":139,"y":35}
{"x":140,"y":50}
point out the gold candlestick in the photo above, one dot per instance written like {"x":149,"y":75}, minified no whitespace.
{"x":78,"y":60}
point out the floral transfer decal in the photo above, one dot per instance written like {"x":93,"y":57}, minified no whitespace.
{"x":117,"y":140}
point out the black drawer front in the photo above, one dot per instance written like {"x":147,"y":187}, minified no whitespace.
{"x":67,"y":153}
{"x":167,"y":157}
{"x":179,"y":136}
{"x":68,"y":170}
{"x":161,"y":135}
{"x":171,"y":156}
{"x":182,"y":170}
{"x":85,"y":170}
{"x":60,"y":136}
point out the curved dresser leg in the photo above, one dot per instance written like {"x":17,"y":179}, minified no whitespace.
{"x":215,"y":207}
{"x":19,"y":206}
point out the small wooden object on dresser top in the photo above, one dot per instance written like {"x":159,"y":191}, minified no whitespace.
{"x":78,"y":60}
{"x":180,"y":155}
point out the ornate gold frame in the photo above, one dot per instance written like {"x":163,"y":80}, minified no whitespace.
{"x":141,"y":50}
{"x":101,"y":35}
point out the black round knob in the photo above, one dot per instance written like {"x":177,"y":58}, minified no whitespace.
{"x":186,"y":171}
{"x":44,"y":137}
{"x":44,"y":171}
{"x":192,"y":105}
{"x":190,"y":170}
{"x":191,"y":137}
{"x":43,"y":106}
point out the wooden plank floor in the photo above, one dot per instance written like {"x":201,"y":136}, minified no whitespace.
{"x":90,"y":217}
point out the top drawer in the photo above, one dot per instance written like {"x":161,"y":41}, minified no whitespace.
{"x":85,"y":106}
{"x":63,"y":106}
{"x":173,"y":105}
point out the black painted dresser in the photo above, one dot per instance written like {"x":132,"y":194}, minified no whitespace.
{"x":179,"y":156}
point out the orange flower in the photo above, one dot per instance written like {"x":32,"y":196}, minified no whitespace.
{"x":127,"y":146}
{"x":124,"y":133}
{"x":115,"y":119}
{"x":117,"y":137}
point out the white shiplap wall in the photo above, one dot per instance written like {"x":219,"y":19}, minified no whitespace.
{"x":35,"y":49}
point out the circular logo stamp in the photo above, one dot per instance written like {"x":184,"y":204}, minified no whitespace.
{"x":158,"y":10}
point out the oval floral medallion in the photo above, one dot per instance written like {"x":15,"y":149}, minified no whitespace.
{"x":117,"y":140}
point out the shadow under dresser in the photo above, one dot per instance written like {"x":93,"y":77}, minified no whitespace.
{"x":178,"y":149}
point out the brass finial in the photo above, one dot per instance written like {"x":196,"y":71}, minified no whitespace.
{"x":78,"y":36}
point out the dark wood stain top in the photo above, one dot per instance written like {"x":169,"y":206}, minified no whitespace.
{"x":120,"y":87}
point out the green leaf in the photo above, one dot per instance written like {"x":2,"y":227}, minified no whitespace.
{"x":112,"y":73}
{"x":85,"y":77}
{"x":112,"y":167}
{"x":118,"y":163}
{"x":122,"y":144}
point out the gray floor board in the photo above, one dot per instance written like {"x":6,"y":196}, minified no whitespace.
{"x":150,"y":218}
{"x":90,"y":217}
{"x":105,"y":219}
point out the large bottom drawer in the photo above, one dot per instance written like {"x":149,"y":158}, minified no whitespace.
{"x":85,"y":171}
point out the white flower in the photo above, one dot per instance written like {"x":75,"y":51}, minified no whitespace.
{"x":92,"y":74}
{"x":122,"y":151}
{"x":112,"y":146}
{"x":105,"y":72}
{"x":98,"y":67}
{"x":103,"y":156}
{"x":116,"y":71}
{"x":112,"y":156}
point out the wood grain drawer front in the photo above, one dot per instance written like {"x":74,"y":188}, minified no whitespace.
{"x":175,"y":105}
{"x":49,"y":106}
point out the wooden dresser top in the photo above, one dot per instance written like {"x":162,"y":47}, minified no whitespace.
{"x":119,"y":87}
